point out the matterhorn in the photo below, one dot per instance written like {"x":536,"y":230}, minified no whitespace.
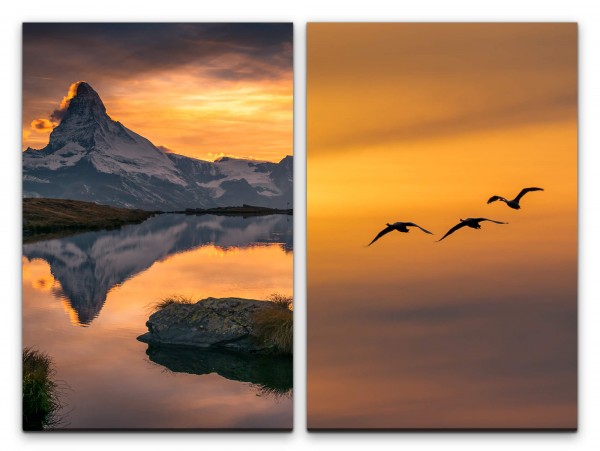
{"x":93,"y":158}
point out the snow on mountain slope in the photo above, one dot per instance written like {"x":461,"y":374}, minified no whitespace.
{"x":253,"y":172}
{"x":92,"y":157}
{"x":86,"y":131}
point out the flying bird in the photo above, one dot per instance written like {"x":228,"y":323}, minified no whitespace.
{"x":400,"y":227}
{"x":515,"y":202}
{"x":469,"y":222}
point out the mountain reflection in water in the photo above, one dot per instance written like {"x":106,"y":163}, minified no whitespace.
{"x":89,"y":265}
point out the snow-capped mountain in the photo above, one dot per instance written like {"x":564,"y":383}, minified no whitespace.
{"x":91,"y":157}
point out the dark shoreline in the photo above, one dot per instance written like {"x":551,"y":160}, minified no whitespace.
{"x":244,"y":210}
{"x":45,"y":219}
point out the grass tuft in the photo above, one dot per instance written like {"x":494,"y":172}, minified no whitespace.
{"x":276,"y":393}
{"x":281,"y":300}
{"x":275,"y":327}
{"x":41,"y":392}
{"x":170,"y":300}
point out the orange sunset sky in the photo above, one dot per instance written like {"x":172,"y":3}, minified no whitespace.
{"x":457,"y":104}
{"x":201,"y":90}
{"x":424,"y":122}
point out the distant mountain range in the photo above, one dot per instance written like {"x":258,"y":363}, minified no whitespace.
{"x":90,"y":157}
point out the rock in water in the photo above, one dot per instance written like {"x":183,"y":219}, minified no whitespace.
{"x":212,"y":322}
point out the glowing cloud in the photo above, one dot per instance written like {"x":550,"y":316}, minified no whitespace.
{"x":166,"y":149}
{"x":215,"y":156}
{"x":59,"y":113}
{"x":42,"y":125}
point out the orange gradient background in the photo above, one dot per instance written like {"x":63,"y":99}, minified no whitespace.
{"x":423,"y":123}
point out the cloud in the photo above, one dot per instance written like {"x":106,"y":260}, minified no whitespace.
{"x":389,"y":83}
{"x":43,"y":125}
{"x":166,"y":149}
{"x":57,"y":115}
{"x":47,"y":125}
{"x":258,"y":50}
{"x":215,"y":156}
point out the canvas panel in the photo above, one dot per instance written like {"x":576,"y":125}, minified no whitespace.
{"x":157,"y":224}
{"x":422,"y":124}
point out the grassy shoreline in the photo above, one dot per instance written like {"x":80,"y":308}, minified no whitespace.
{"x":41,"y":393}
{"x":53,"y":218}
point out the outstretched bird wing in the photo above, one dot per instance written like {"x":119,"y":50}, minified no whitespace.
{"x":454,"y":229}
{"x":525,"y":191}
{"x":491,"y":220}
{"x":388,"y":229}
{"x":495,"y":198}
{"x":412,"y":224}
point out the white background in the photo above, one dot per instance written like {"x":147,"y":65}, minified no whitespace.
{"x":585,"y":12}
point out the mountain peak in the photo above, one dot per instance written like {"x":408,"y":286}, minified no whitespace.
{"x":84,"y":101}
{"x":81,"y":113}
{"x":83,"y":87}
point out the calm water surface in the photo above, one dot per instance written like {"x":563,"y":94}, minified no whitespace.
{"x":87,"y":297}
{"x":478,"y":331}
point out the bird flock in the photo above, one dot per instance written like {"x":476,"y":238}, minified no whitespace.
{"x":469,"y":222}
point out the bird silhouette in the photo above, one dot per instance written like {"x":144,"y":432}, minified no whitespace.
{"x":469,"y":222}
{"x":400,"y":227}
{"x":515,"y":202}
